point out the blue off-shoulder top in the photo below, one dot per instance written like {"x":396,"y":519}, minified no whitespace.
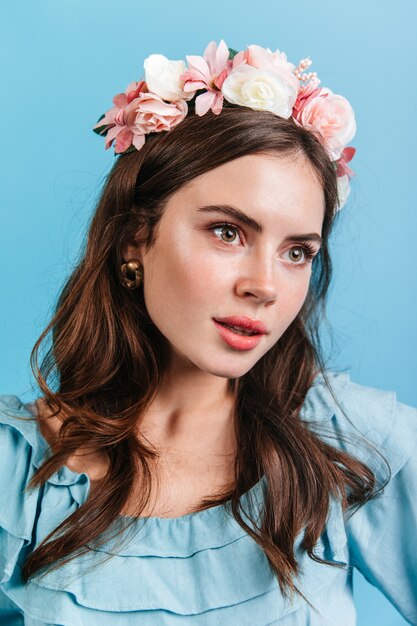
{"x":203,"y":568}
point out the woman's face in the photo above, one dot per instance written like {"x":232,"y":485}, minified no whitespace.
{"x":207,"y":263}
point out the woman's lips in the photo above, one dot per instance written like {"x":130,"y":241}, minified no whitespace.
{"x":235,"y":340}
{"x":244,"y":322}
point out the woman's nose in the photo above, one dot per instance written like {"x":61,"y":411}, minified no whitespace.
{"x":259,"y":281}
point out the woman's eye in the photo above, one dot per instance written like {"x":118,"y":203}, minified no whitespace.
{"x":228,"y":232}
{"x":296,"y":255}
{"x":300,"y":255}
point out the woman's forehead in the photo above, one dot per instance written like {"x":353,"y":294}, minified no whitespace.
{"x":265,"y":187}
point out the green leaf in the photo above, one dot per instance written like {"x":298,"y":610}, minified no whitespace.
{"x":101,"y":130}
{"x":232,"y":53}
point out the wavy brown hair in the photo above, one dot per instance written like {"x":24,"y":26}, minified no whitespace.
{"x":106,"y":358}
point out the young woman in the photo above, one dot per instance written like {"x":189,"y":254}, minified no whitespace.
{"x":189,"y":459}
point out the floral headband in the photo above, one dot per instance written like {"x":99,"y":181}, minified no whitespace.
{"x":256,"y":78}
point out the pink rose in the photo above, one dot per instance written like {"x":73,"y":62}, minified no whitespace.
{"x":305,"y":93}
{"x":136,"y":113}
{"x":154,"y":115}
{"x":265,"y":59}
{"x":329,"y":114}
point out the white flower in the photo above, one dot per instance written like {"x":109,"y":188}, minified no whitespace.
{"x":343,"y":188}
{"x":162,"y":77}
{"x":264,"y":90}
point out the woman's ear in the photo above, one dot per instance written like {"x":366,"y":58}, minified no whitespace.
{"x":132,"y":253}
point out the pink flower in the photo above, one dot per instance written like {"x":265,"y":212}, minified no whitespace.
{"x":117,"y":121}
{"x":305,"y":92}
{"x":209,"y":72}
{"x":342,"y":164}
{"x":265,"y":59}
{"x":331,"y":116}
{"x":154,"y":115}
{"x":136,"y":113}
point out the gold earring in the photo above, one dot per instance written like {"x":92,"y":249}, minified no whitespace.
{"x":132,"y":273}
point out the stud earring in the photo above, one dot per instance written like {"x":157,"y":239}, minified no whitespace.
{"x":132,"y":273}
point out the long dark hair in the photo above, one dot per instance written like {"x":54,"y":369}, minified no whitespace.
{"x":106,"y":357}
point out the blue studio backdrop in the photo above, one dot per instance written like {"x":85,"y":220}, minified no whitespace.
{"x":62,"y":62}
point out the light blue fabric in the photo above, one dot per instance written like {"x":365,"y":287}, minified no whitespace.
{"x":203,"y":568}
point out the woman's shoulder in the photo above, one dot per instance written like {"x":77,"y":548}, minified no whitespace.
{"x":28,"y":514}
{"x":23,"y":450}
{"x":19,"y":431}
{"x":23,"y":442}
{"x":347,"y":412}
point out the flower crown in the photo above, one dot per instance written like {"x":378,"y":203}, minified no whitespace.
{"x":256,"y":78}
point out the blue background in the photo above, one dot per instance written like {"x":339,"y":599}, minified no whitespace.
{"x":62,"y":62}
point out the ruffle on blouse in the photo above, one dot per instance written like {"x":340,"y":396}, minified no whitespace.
{"x":362,"y":414}
{"x":196,"y":568}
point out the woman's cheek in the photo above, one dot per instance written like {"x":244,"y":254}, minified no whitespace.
{"x":296,"y":287}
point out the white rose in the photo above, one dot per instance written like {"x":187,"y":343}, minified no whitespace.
{"x":162,"y":77}
{"x":343,"y":188}
{"x":264,"y":90}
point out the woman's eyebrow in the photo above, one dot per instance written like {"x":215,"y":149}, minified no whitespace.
{"x":233,"y":212}
{"x":237,"y":214}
